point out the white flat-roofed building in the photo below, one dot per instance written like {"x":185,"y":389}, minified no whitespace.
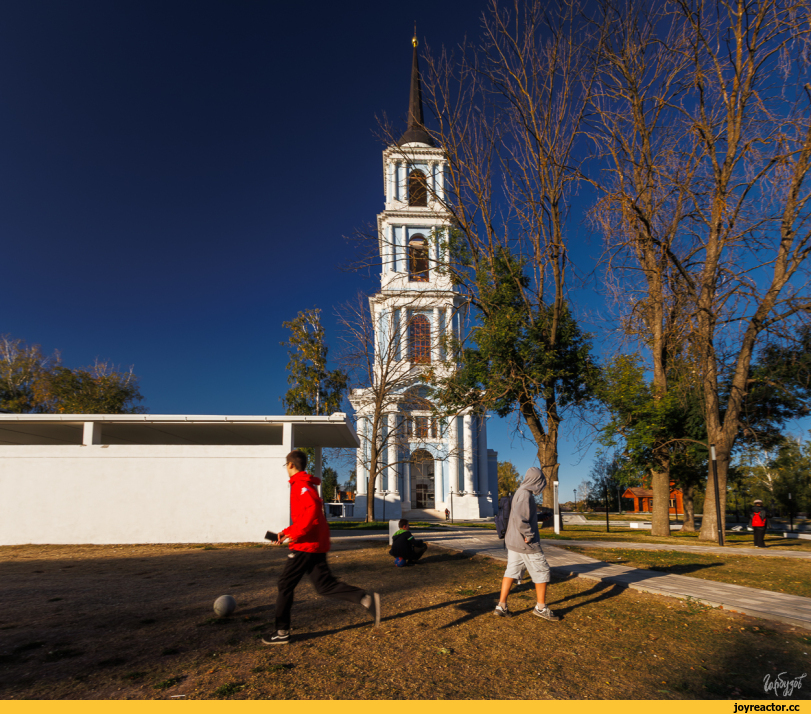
{"x":147,"y":478}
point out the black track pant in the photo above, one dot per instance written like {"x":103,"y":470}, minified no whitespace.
{"x":325,"y":583}
{"x":417,"y":551}
{"x":760,"y":531}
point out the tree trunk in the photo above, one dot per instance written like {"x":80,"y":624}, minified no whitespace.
{"x":370,"y":487}
{"x":551,"y":473}
{"x":660,"y":518}
{"x":689,"y":525}
{"x":550,"y":447}
{"x":547,"y":443}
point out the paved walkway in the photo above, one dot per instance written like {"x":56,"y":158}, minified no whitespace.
{"x":683,"y":547}
{"x":789,"y":609}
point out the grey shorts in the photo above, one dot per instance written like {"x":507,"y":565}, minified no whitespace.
{"x":535,"y":564}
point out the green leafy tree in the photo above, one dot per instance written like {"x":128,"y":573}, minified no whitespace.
{"x":351,"y":484}
{"x":613,"y":472}
{"x":32,"y":383}
{"x":314,"y":390}
{"x":511,"y":117}
{"x":772,"y":476}
{"x":102,"y":389}
{"x":508,"y":478}
{"x":779,"y":390}
{"x":523,"y":356}
{"x":21,"y":367}
{"x":662,"y":436}
{"x":329,"y":484}
{"x":792,"y":492}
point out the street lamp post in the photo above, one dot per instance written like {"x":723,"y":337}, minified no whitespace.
{"x":575,"y":498}
{"x":718,"y":514}
{"x":790,"y":514}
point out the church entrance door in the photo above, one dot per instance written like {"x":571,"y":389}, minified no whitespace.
{"x":422,"y":479}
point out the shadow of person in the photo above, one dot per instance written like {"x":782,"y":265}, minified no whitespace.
{"x":683,"y":568}
{"x":597,"y":593}
{"x":473,"y":606}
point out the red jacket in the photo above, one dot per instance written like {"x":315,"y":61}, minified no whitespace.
{"x":309,"y":524}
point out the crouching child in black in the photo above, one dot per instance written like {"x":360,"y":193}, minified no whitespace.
{"x":405,"y":548}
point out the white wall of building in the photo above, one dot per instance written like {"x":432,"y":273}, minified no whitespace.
{"x":141,"y":494}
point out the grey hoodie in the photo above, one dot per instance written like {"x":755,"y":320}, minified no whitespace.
{"x":524,"y":514}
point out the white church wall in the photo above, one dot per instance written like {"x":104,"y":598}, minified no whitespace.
{"x":141,"y":494}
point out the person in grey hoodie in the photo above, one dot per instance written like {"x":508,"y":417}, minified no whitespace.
{"x":523,"y":545}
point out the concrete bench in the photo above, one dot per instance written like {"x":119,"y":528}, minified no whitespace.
{"x":637,"y":524}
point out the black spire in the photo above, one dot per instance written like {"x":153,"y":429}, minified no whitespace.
{"x":416,"y":130}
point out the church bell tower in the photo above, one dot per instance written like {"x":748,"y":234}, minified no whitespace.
{"x":428,"y":464}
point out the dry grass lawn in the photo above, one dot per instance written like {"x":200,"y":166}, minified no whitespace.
{"x":136,"y":622}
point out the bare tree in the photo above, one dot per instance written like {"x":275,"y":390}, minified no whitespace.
{"x":509,"y":115}
{"x":749,"y":118}
{"x":644,"y":192}
{"x":385,"y":362}
{"x":708,"y":200}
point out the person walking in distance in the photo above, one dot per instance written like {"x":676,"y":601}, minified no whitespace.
{"x":308,"y":538}
{"x":759,"y":522}
{"x":523,"y":544}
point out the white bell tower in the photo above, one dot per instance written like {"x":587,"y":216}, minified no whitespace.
{"x":430,"y":464}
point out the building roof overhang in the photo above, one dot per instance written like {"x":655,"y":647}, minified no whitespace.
{"x":332,"y":431}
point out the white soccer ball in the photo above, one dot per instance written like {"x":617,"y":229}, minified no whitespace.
{"x":225,"y":605}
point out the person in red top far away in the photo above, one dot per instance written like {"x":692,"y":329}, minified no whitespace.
{"x":759,"y":521}
{"x":308,"y":538}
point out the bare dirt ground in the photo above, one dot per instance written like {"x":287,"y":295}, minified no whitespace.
{"x":136,"y":622}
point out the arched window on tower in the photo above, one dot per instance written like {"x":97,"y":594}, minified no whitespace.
{"x":417,"y":188}
{"x":420,"y":423}
{"x":419,"y":341}
{"x":418,"y":260}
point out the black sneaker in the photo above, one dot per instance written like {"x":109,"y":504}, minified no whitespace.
{"x":280,"y":637}
{"x":502,"y":611}
{"x":545,"y":613}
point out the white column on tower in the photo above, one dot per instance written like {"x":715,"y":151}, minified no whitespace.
{"x":392,"y":181}
{"x":361,"y":474}
{"x":437,"y":482}
{"x":401,"y":181}
{"x":392,"y":454}
{"x":468,"y":455}
{"x":406,"y":494}
{"x":453,"y":454}
{"x":484,"y":481}
{"x":385,"y":252}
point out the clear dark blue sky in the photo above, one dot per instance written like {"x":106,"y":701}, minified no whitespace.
{"x":177,"y":178}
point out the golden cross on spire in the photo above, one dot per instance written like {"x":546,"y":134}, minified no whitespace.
{"x":414,"y":39}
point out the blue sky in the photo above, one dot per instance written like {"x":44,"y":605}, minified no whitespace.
{"x":177,"y":179}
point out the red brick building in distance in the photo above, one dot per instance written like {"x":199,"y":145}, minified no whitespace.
{"x":643,"y":500}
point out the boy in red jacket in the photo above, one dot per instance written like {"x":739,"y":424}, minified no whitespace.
{"x":308,"y":538}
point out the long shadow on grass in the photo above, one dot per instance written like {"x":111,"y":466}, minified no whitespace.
{"x":632,"y":575}
{"x":482,"y":603}
{"x":601,"y":591}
